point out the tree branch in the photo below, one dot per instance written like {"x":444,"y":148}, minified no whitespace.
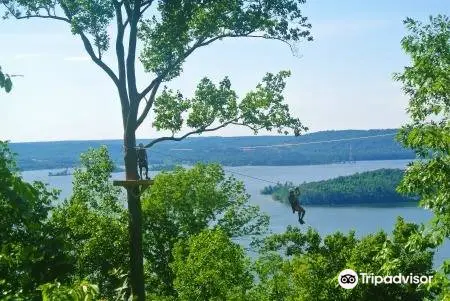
{"x":198,"y":44}
{"x":48,"y":16}
{"x":163,"y":74}
{"x":249,"y":126}
{"x":99,"y":62}
{"x":148,"y":105}
{"x":198,"y":131}
{"x":126,"y":4}
{"x":43,"y":17}
{"x":148,"y":88}
{"x":86,"y":42}
{"x":145,"y":5}
{"x":131,"y":58}
{"x":120,"y":52}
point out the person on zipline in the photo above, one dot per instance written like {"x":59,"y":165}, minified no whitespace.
{"x":142,"y":160}
{"x":295,"y":204}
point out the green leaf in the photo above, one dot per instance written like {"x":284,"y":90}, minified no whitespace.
{"x":8,"y":85}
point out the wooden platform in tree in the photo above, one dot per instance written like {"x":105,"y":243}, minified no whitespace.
{"x":132,"y":183}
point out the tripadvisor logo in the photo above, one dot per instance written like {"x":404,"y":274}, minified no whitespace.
{"x":348,"y":279}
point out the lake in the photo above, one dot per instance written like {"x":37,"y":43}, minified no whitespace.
{"x":363,"y":220}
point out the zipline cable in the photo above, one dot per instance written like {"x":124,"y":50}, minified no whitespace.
{"x":225,"y":169}
{"x":316,"y":142}
{"x":276,"y":145}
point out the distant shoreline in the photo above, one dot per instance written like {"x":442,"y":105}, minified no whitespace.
{"x":227,"y":166}
{"x":326,"y":147}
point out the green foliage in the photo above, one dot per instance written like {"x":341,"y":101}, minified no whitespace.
{"x":191,"y":215}
{"x":309,"y":268}
{"x":88,"y":17}
{"x":81,"y":291}
{"x":372,"y":187}
{"x":28,"y":252}
{"x":5,"y":81}
{"x":209,"y":266}
{"x":427,"y":80}
{"x":93,"y":223}
{"x":262,"y":109}
{"x":184,"y":26}
{"x":427,"y":83}
{"x":185,"y":202}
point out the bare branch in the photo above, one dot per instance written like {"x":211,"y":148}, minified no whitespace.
{"x":293,"y":48}
{"x":120,"y":52}
{"x":255,"y":129}
{"x":131,"y":57}
{"x":149,"y":88}
{"x":99,"y":62}
{"x":198,"y":131}
{"x":148,"y":105}
{"x":127,"y":5}
{"x":145,"y":5}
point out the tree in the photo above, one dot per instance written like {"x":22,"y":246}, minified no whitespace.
{"x":29,"y":252}
{"x":427,"y":83}
{"x":93,"y":223}
{"x":170,"y":31}
{"x":298,"y":265}
{"x":5,"y":81}
{"x":182,"y":204}
{"x":209,"y":266}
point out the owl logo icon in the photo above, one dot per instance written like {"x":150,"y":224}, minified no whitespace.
{"x":348,"y":279}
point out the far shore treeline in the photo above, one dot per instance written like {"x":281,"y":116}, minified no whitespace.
{"x":228,"y":151}
{"x":369,"y":188}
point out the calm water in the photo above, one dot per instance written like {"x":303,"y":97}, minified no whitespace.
{"x":326,"y":220}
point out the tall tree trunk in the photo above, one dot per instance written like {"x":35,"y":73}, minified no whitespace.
{"x":134,"y":217}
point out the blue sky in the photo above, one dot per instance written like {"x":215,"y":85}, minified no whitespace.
{"x":342,"y":80}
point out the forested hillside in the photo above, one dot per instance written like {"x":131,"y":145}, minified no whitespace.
{"x":229,"y":150}
{"x":372,"y":187}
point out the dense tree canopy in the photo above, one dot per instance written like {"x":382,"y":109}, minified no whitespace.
{"x":427,"y":83}
{"x":185,"y":202}
{"x":191,"y":216}
{"x":209,"y":266}
{"x":300,"y":265}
